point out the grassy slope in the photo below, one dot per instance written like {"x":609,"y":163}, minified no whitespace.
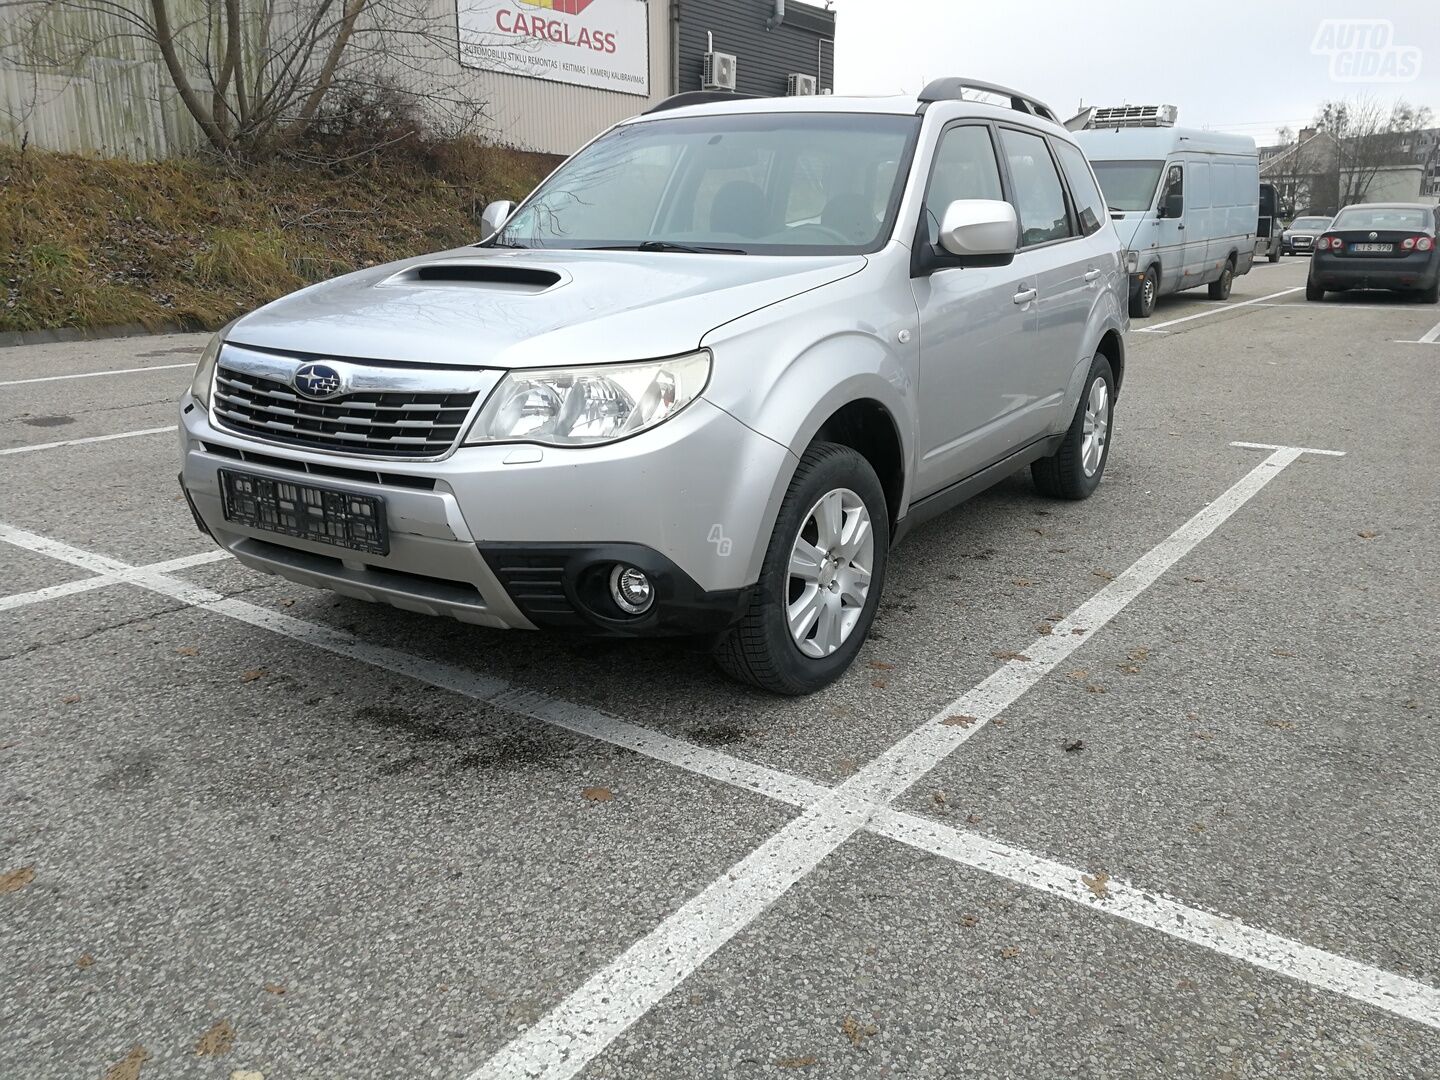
{"x":86,"y":242}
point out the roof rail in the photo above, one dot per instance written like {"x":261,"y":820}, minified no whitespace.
{"x":697,"y":97}
{"x":952,"y":88}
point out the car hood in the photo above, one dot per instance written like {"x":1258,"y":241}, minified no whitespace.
{"x":1128,"y":228}
{"x":492,"y":307}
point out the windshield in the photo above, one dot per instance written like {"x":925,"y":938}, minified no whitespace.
{"x":1128,"y":185}
{"x":1365,"y":217}
{"x":768,"y":184}
{"x":1317,"y":224}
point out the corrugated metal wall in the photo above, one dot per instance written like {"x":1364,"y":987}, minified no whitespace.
{"x":119,"y":101}
{"x":766,"y":57}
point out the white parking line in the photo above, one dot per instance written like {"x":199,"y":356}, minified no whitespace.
{"x":1302,"y":449}
{"x":91,"y":439}
{"x":1158,"y":328}
{"x":1430,"y":337}
{"x":565,"y":1040}
{"x":70,"y":588}
{"x":1209,"y":930}
{"x":94,"y":374}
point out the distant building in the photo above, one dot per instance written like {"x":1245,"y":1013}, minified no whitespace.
{"x":1311,"y":175}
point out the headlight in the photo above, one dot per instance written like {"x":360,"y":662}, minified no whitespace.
{"x":205,"y":370}
{"x":1132,"y":260}
{"x":582,"y":406}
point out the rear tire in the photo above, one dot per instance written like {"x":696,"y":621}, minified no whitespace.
{"x":1432,"y":294}
{"x":1220,"y":289}
{"x":1275,"y":255}
{"x":1074,"y":471}
{"x":761,"y":649}
{"x":1142,"y":305}
{"x":1313,"y":291}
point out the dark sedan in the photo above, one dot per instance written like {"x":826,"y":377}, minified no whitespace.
{"x":1379,"y":246}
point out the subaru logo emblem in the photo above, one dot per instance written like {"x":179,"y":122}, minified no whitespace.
{"x":318,"y":381}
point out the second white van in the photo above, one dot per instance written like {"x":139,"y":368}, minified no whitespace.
{"x":1186,"y":206}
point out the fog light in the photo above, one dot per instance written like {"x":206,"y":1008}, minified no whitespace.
{"x":631,"y":590}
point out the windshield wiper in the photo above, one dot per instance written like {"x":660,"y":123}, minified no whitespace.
{"x":667,"y":245}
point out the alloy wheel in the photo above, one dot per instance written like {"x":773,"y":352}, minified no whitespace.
{"x":830,"y":569}
{"x":1096,"y":428}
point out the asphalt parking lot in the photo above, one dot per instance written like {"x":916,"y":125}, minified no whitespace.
{"x":1144,"y":786}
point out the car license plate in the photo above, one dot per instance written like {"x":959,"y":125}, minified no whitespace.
{"x":1371,"y":249}
{"x":307,"y":512}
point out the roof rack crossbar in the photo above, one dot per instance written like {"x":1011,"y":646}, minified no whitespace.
{"x":952,"y":88}
{"x":697,"y":97}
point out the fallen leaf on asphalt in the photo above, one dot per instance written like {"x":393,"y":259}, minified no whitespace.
{"x":1078,"y":673}
{"x":1283,"y":725}
{"x":1093,"y":689}
{"x":1060,"y":551}
{"x":1074,"y":745}
{"x":879,"y":684}
{"x":959,"y":721}
{"x":847,"y":766}
{"x":598,"y":794}
{"x":15,"y":880}
{"x":247,"y":1074}
{"x":939,"y":798}
{"x":881,"y":665}
{"x":1195,"y":580}
{"x":287,"y":601}
{"x":218,"y":1040}
{"x":1078,"y":630}
{"x":797,"y":1062}
{"x":85,"y":960}
{"x":969,"y":920}
{"x":1130,"y":669}
{"x":188,"y":650}
{"x":1410,"y":703}
{"x":1054,"y":618}
{"x":273,"y":988}
{"x":1140,"y":655}
{"x":972,"y":819}
{"x":1010,"y":952}
{"x":253,"y":674}
{"x":128,"y":1067}
{"x":1281,"y":652}
{"x":1205,"y":735}
{"x":1023,"y":583}
{"x":1045,"y":629}
{"x":1368,"y":534}
{"x":1037,"y":532}
{"x":857,"y":1031}
{"x":1099,"y":884}
{"x":70,"y":699}
{"x":997,"y":722}
{"x":1008,"y":656}
{"x":1185,"y":984}
{"x":1105,"y":574}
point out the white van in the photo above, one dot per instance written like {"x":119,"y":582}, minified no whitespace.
{"x":1186,"y":206}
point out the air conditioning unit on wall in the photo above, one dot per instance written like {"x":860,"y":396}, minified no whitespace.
{"x":719,"y":73}
{"x":802,"y":85}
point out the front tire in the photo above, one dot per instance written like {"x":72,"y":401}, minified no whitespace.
{"x":1275,"y":255}
{"x":1074,"y":471}
{"x":1220,"y":289}
{"x":1142,"y":305}
{"x":821,"y":580}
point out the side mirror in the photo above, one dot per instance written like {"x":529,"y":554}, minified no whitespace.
{"x":494,"y":218}
{"x":981,"y":229}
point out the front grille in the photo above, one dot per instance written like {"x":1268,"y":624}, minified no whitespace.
{"x":384,"y":424}
{"x":1302,"y":241}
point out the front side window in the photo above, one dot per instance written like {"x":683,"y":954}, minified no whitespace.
{"x":1128,"y":186}
{"x":1089,"y":205}
{"x":767,"y":184}
{"x":1172,"y":199}
{"x":965,"y":168}
{"x":1039,"y":196}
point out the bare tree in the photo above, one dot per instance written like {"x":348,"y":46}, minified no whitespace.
{"x":255,"y":73}
{"x":1367,"y":137}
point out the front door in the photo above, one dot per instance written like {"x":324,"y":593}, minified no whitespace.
{"x":972,"y":323}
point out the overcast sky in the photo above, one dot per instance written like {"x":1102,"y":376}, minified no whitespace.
{"x":1242,"y":67}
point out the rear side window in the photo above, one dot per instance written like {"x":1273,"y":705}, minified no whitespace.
{"x":965,"y":168}
{"x":1088,"y":203}
{"x":1039,"y":196}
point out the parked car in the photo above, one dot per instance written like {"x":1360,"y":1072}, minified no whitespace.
{"x":1184,"y":204}
{"x":1299,"y":238}
{"x":697,"y":383}
{"x":1379,"y":246}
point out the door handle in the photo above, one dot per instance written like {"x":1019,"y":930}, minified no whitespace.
{"x":1024,"y":296}
{"x":1092,"y":276}
{"x":1181,"y":227}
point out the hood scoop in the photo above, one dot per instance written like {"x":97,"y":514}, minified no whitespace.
{"x":496,"y":276}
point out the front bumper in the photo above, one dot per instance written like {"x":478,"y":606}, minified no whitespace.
{"x":512,"y":535}
{"x":1351,"y":272}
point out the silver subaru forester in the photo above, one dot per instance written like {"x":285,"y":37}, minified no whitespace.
{"x":699,"y":382}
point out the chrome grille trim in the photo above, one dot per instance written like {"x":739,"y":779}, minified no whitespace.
{"x":400,"y":412}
